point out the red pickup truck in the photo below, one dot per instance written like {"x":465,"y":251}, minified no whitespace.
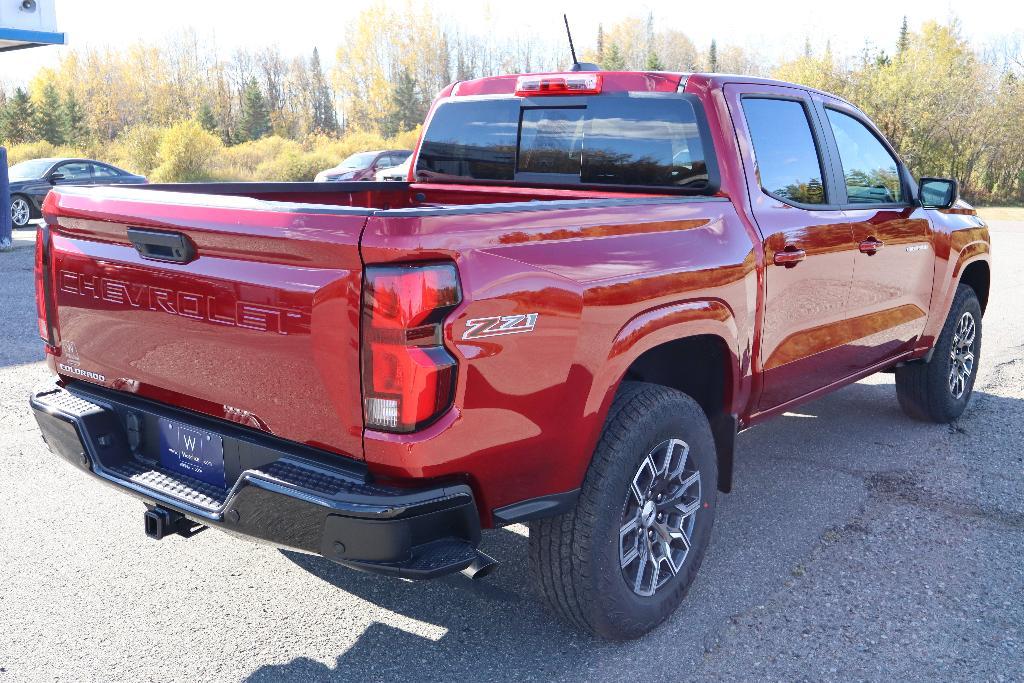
{"x":591,"y":282}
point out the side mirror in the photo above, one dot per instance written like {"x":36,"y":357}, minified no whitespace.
{"x":54,"y":177}
{"x":937,"y":193}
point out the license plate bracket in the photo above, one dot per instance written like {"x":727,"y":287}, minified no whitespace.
{"x":193,"y":452}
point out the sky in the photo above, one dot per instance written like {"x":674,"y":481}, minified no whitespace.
{"x":776,"y":30}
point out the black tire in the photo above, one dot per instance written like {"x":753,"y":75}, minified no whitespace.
{"x":575,"y":557}
{"x":29,"y":214}
{"x":923,"y":389}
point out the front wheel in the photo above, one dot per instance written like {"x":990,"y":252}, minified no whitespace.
{"x":21,"y":211}
{"x":622,"y":560}
{"x":938,"y":391}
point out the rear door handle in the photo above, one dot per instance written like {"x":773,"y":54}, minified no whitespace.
{"x":790,"y":256}
{"x":158,"y":245}
{"x":871,"y":245}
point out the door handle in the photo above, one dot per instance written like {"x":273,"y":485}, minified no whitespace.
{"x":790,"y":256}
{"x":870,"y":246}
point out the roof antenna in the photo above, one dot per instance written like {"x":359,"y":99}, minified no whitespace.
{"x":577,"y":65}
{"x":575,"y":62}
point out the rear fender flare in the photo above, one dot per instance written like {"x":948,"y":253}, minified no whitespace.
{"x":657,"y":326}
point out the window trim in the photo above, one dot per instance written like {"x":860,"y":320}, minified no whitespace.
{"x":822,"y":150}
{"x":909,"y":198}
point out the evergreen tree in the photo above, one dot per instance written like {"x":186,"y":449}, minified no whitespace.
{"x":16,"y":125}
{"x":206,"y":118}
{"x":254,"y":122}
{"x":407,"y":109}
{"x":654,"y":62}
{"x":72,"y":121}
{"x":713,"y":57}
{"x":325,"y":118}
{"x":613,"y":59}
{"x":46,"y":119}
{"x":903,"y":42}
{"x":600,"y":44}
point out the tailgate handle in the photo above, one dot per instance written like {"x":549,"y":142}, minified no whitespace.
{"x":157,"y":245}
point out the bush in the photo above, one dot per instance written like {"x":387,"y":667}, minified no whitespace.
{"x":187,"y":154}
{"x":138,"y":149}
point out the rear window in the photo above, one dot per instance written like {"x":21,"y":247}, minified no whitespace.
{"x":625,"y":141}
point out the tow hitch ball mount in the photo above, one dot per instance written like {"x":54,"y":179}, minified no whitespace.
{"x":161,"y":522}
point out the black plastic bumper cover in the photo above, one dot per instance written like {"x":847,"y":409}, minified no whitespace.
{"x":284,"y":493}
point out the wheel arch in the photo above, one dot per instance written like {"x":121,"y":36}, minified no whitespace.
{"x":690,"y":346}
{"x":978,"y":275}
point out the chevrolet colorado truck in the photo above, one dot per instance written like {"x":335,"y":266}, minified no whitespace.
{"x":590,"y":283}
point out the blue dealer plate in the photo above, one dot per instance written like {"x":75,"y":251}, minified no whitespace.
{"x":193,"y":452}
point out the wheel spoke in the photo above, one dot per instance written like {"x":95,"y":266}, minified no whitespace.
{"x":644,"y":555}
{"x":687,"y":509}
{"x":628,"y":558}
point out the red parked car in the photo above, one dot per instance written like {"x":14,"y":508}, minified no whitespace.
{"x":363,"y":165}
{"x":595,"y":281}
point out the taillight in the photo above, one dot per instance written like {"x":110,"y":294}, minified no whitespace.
{"x":408,"y":375}
{"x":43,"y":295}
{"x":559,"y":84}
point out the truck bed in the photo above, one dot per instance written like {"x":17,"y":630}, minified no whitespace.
{"x":261,"y":325}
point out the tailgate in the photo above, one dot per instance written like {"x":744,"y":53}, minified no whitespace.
{"x":259,"y":326}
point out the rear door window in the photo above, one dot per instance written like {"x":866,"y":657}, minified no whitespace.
{"x":626,"y":141}
{"x":787,"y":157}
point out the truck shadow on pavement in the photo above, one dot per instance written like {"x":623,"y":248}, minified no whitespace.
{"x":798,"y":477}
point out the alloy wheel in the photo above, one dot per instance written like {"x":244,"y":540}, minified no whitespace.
{"x":658,"y":517}
{"x":19,"y":212}
{"x":961,"y":355}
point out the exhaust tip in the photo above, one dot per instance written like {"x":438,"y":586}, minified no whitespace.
{"x":482,"y":566}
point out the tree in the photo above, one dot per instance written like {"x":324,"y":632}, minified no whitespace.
{"x":47,"y":114}
{"x":713,"y":57}
{"x":72,"y":121}
{"x":600,"y":44}
{"x":613,"y":60}
{"x":407,"y":108}
{"x":16,"y":125}
{"x":653,"y":62}
{"x":903,"y":42}
{"x":324,"y":118}
{"x":254,"y":122}
{"x":206,"y":118}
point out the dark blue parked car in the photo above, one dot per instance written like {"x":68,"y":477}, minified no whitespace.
{"x":31,"y":180}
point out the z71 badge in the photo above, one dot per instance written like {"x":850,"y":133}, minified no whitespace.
{"x":495,"y":326}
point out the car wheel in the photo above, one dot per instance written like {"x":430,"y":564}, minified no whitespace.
{"x":621,"y":561}
{"x":938,"y":391}
{"x":21,"y":211}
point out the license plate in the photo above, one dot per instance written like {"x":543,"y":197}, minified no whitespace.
{"x":193,"y":452}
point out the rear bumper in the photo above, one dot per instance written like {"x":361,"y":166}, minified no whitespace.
{"x":283,"y":493}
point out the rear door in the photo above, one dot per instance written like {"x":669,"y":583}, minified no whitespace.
{"x":808,"y":241}
{"x":258,"y":324}
{"x":894,"y":266}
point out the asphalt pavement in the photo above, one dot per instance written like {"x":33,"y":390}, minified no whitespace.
{"x":857,"y":544}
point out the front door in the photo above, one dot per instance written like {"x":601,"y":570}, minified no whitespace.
{"x":894,"y":265}
{"x":808,"y":241}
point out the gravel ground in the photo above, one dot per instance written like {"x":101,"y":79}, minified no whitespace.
{"x":858,"y":544}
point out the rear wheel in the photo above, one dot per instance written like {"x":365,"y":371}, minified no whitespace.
{"x":938,"y":391}
{"x":622,"y":560}
{"x":21,"y":211}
